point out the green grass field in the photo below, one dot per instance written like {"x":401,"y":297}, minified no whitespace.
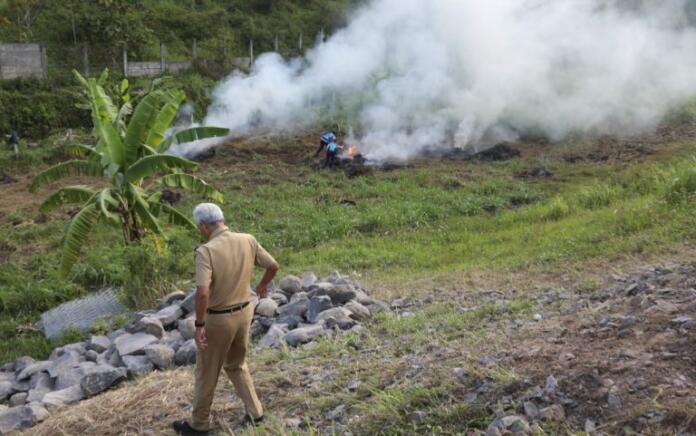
{"x":428,"y":220}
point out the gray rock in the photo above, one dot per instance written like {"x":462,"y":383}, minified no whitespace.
{"x":20,"y":386}
{"x":18,"y":399}
{"x":258,"y":327}
{"x":357,"y":310}
{"x":280,"y":298}
{"x":336,"y":413}
{"x":299,"y":296}
{"x":297,"y":307}
{"x":6,"y":389}
{"x":98,"y":343}
{"x":614,"y":400}
{"x":554,"y":413}
{"x":307,"y":280}
{"x":551,"y":385}
{"x":171,"y":298}
{"x":400,"y":303}
{"x":41,"y":380}
{"x":340,"y":315}
{"x":101,"y":378}
{"x":162,"y":356}
{"x":341,"y":294}
{"x":133,"y":343}
{"x":169,"y":315}
{"x":290,"y":284}
{"x":22,"y":362}
{"x":188,"y":304}
{"x":115,"y":359}
{"x":684,"y":322}
{"x":67,"y":360}
{"x":318,"y":304}
{"x":137,"y":365}
{"x":514,"y":424}
{"x":531,"y":410}
{"x":274,"y":338}
{"x":377,"y":306}
{"x":77,"y":349}
{"x":36,"y":395}
{"x":116,"y":333}
{"x":303,"y":335}
{"x":267,"y":307}
{"x":353,"y":385}
{"x":186,"y":354}
{"x":33,"y":369}
{"x":57,"y":399}
{"x":91,"y":356}
{"x":149,"y":324}
{"x":21,"y":417}
{"x":290,"y":320}
{"x":335,"y":277}
{"x":187,"y":328}
{"x":70,"y":376}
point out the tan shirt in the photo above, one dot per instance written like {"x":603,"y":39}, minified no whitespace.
{"x":225,"y":263}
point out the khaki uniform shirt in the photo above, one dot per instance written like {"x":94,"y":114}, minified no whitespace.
{"x":225,"y":263}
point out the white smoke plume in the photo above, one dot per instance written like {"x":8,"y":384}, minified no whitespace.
{"x":412,"y":74}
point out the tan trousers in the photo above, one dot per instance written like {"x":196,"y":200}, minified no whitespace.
{"x":228,"y":338}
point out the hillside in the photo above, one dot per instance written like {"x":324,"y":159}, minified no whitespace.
{"x":507,"y":270}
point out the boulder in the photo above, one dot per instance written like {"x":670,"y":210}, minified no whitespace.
{"x":70,"y":376}
{"x":98,"y":343}
{"x":149,"y":325}
{"x":18,"y":399}
{"x":41,"y":380}
{"x":115,"y":359}
{"x":101,"y":378}
{"x":116,"y":333}
{"x":290,"y":284}
{"x":21,"y":417}
{"x":188,"y":304}
{"x":22,"y":362}
{"x":57,"y":399}
{"x":67,"y":360}
{"x":318,"y":304}
{"x":33,"y":369}
{"x":77,"y":349}
{"x":297,"y":307}
{"x":20,"y":386}
{"x":357,"y":310}
{"x":340,"y":315}
{"x":267,"y":307}
{"x":341,"y":294}
{"x":133,"y":343}
{"x":91,"y":356}
{"x":162,"y":356}
{"x":171,"y":298}
{"x":6,"y":389}
{"x":290,"y":320}
{"x":187,"y":328}
{"x":307,"y":280}
{"x":274,"y":337}
{"x":303,"y":335}
{"x":258,"y":328}
{"x":186,"y":354}
{"x":36,"y":395}
{"x":279,"y":298}
{"x":169,"y":315}
{"x":137,"y":365}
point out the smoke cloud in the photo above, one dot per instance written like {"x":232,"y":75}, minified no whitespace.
{"x":415,"y":74}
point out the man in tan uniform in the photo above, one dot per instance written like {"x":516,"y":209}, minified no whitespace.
{"x":224,"y":267}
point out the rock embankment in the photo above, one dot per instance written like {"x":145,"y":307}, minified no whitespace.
{"x":299,"y":311}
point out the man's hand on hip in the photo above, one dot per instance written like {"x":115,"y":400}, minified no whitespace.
{"x":201,"y":339}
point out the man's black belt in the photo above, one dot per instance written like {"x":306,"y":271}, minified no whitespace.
{"x":236,"y":308}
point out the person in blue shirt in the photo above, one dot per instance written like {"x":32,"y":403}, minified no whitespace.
{"x":331,"y":151}
{"x":325,"y":140}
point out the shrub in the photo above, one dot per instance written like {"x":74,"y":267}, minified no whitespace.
{"x":557,"y":209}
{"x":681,"y":185}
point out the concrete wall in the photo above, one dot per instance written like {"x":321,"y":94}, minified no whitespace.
{"x":22,"y":60}
{"x":152,"y":69}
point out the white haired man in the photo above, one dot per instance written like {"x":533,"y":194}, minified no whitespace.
{"x":224,"y":267}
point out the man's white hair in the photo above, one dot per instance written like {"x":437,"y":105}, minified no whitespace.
{"x":208,"y":213}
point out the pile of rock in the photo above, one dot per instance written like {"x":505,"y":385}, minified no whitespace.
{"x":305,"y":308}
{"x":301,"y":310}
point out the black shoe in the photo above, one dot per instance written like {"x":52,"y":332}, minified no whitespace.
{"x":250,"y":420}
{"x":183,"y":428}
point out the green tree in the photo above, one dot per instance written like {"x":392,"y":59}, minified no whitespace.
{"x":130,"y":154}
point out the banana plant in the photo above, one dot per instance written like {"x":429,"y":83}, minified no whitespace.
{"x":131,"y":158}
